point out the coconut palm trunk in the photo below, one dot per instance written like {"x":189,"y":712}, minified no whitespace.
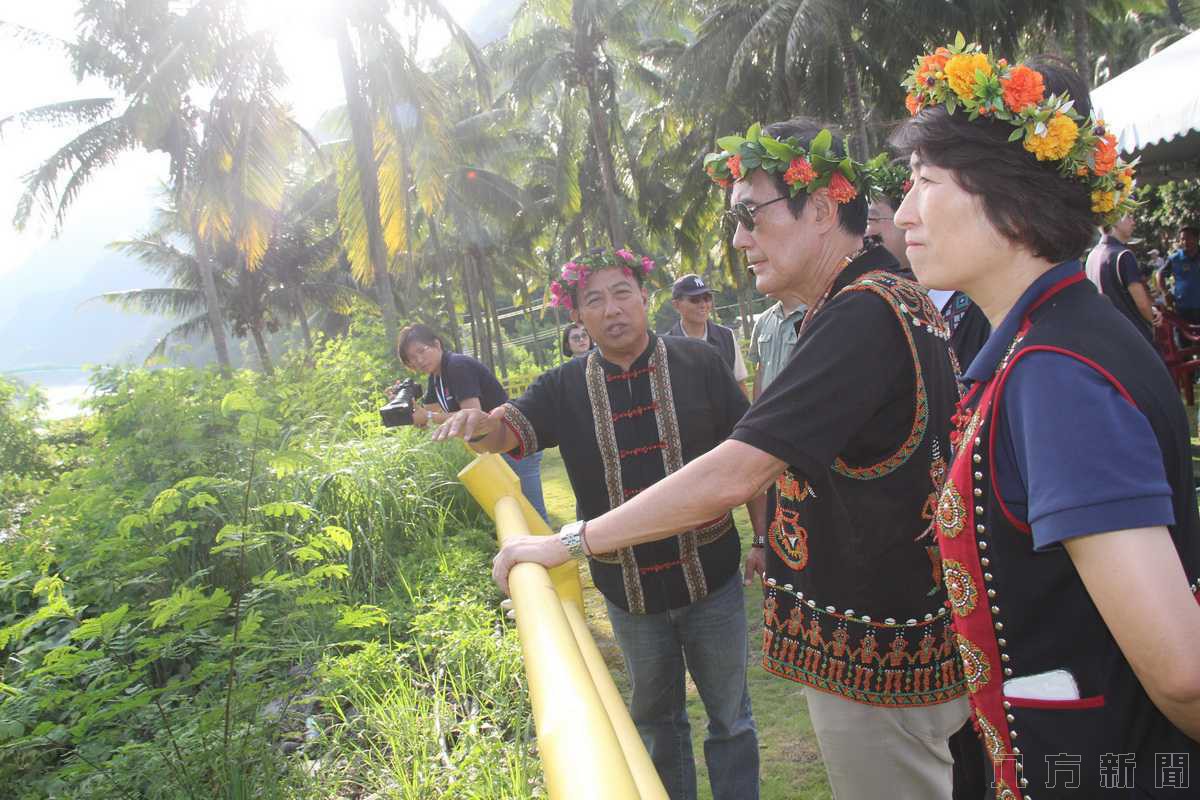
{"x":1079,"y":23}
{"x":439,"y":260}
{"x":858,"y":110}
{"x":608,"y":177}
{"x":260,"y":345}
{"x":586,"y":48}
{"x":781,"y":87}
{"x":215,"y":321}
{"x":1176,"y":12}
{"x":489,"y":291}
{"x":364,"y":154}
{"x":302,"y":317}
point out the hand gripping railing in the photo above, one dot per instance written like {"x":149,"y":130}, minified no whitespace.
{"x":588,"y":743}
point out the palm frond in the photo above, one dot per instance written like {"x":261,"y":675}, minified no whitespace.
{"x":166,"y":301}
{"x":83,"y":156}
{"x":196,"y":326}
{"x":69,"y":112}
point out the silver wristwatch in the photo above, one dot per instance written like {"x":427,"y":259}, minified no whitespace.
{"x":571,"y":536}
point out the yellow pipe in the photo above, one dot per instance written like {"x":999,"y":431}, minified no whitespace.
{"x":589,"y":746}
{"x":649,"y":785}
{"x":488,"y":478}
{"x":495,"y":486}
{"x":581,"y":756}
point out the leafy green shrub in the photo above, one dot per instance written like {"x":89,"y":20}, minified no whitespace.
{"x":25,"y":459}
{"x":445,"y":714}
{"x":212,"y":541}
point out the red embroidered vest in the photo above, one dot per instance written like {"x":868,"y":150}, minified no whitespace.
{"x":1019,"y":613}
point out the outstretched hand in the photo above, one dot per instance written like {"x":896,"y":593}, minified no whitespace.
{"x":549,"y":551}
{"x":468,"y":424}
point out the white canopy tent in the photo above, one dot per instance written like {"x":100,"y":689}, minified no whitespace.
{"x":1154,"y":109}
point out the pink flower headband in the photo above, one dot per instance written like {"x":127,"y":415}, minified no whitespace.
{"x":575,"y":272}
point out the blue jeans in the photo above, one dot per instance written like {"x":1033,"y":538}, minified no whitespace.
{"x":709,"y":637}
{"x":529,"y":470}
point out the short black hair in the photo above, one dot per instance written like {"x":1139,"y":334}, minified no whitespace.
{"x":852,"y":216}
{"x":1029,"y":202}
{"x":416,"y":334}
{"x":566,"y":336}
{"x":1192,"y":229}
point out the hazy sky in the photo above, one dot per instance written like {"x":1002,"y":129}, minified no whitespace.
{"x":117,"y":203}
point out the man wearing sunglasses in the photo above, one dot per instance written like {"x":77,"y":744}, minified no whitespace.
{"x":854,"y":434}
{"x":693,"y":299}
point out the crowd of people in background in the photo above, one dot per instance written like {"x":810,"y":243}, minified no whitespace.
{"x":968,"y":472}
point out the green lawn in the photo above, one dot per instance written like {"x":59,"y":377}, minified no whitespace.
{"x":791,"y":762}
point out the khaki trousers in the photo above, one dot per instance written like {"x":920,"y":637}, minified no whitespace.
{"x":875,"y":752}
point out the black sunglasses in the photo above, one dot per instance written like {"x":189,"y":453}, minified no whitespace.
{"x":743,"y":213}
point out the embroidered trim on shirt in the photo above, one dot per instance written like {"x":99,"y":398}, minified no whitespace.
{"x":976,"y":621}
{"x":668,"y":428}
{"x":666,"y":565}
{"x":641,"y":451}
{"x":636,"y":411}
{"x":606,"y":440}
{"x":858,"y":658}
{"x":786,"y":536}
{"x":671,"y":448}
{"x":911,"y":307}
{"x":631,"y":374}
{"x":519,"y":425}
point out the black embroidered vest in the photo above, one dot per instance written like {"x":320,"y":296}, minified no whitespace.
{"x":855,"y":605}
{"x":1020,"y":613}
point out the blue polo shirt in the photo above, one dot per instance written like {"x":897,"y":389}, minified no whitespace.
{"x":1186,"y":272}
{"x":1073,"y":457}
{"x":461,"y":378}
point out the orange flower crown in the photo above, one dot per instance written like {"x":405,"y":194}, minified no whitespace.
{"x":806,"y":168}
{"x":963,"y":75}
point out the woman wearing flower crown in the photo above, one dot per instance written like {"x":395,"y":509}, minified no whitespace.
{"x":1068,"y":530}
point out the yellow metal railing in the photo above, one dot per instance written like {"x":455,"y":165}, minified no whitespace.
{"x":589,"y":746}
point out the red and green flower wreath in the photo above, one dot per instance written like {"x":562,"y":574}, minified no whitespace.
{"x":803,"y":166}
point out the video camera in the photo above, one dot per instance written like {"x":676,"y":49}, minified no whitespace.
{"x":399,"y":410}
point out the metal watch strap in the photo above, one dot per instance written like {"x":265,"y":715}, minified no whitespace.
{"x":571,"y":536}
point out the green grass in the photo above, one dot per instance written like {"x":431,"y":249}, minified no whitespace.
{"x":790,"y":760}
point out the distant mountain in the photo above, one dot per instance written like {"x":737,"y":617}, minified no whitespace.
{"x":46,"y":319}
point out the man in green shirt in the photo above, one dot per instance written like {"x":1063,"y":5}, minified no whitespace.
{"x":773,"y":339}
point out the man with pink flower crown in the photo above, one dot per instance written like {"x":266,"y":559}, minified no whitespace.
{"x":636,"y":409}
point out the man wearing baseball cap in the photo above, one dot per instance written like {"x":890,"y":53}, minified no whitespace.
{"x":693,"y":299}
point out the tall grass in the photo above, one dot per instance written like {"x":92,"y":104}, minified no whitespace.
{"x":246,"y":588}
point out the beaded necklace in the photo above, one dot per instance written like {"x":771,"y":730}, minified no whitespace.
{"x":817,"y":306}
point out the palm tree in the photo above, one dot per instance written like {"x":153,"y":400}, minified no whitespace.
{"x":292,"y":273}
{"x":569,"y":68}
{"x":390,"y":103}
{"x":155,"y":56}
